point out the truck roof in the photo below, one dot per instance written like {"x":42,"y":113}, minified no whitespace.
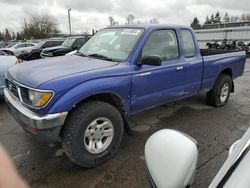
{"x":148,"y":26}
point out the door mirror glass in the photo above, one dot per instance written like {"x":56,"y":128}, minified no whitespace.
{"x":171,"y":158}
{"x":151,"y":60}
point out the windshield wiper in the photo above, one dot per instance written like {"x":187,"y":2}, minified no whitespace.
{"x":101,"y":57}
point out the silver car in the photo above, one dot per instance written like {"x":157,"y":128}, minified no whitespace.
{"x":18,"y":48}
{"x":5,"y":63}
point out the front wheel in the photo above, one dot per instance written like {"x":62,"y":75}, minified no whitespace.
{"x":92,"y":133}
{"x":220,"y":93}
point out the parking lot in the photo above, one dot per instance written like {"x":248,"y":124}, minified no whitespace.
{"x":215,"y":129}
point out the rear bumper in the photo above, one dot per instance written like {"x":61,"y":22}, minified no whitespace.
{"x":46,"y":128}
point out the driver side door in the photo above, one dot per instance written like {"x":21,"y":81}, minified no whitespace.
{"x":156,"y":85}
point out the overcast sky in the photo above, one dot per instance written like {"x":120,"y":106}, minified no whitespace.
{"x":88,"y":14}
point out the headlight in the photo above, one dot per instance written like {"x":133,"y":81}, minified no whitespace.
{"x":35,"y":98}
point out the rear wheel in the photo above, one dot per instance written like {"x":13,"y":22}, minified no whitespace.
{"x":92,"y":133}
{"x":220,"y":93}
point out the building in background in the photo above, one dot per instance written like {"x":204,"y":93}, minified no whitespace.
{"x":231,"y":31}
{"x":225,"y":25}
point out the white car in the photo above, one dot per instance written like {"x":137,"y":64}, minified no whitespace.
{"x":171,"y":158}
{"x":5,"y":62}
{"x":18,"y":48}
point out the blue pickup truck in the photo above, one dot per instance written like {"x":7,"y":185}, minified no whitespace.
{"x":84,"y":100}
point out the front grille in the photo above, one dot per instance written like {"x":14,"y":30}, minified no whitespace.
{"x":12,"y":87}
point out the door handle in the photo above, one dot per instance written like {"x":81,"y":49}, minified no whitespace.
{"x":179,"y":68}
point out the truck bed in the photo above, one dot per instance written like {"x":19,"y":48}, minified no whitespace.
{"x":208,"y":52}
{"x":216,"y":60}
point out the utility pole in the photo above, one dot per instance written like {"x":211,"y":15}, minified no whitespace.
{"x":69,"y":21}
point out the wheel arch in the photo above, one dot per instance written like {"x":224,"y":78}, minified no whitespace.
{"x":111,"y":98}
{"x":229,"y":72}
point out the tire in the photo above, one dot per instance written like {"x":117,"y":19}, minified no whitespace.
{"x":76,"y":135}
{"x":215,"y":97}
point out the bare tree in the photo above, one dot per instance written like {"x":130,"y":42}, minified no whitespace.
{"x":248,"y":17}
{"x":243,"y":17}
{"x":154,"y":21}
{"x":40,"y":26}
{"x":130,"y":19}
{"x":111,"y":20}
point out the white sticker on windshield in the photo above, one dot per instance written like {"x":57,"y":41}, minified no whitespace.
{"x":131,"y":31}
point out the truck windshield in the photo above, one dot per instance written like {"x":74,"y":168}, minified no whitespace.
{"x":68,"y":42}
{"x":114,"y":43}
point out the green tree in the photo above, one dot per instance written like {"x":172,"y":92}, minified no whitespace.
{"x":1,"y":36}
{"x":207,"y":20}
{"x":13,"y":36}
{"x":7,"y":36}
{"x":226,"y":18}
{"x":195,"y":24}
{"x":18,"y":36}
{"x":217,"y":18}
{"x":212,"y":18}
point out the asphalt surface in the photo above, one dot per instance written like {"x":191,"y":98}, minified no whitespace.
{"x":215,"y":129}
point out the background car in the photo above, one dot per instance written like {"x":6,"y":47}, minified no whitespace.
{"x":17,"y":48}
{"x":34,"y":52}
{"x":69,"y":45}
{"x":229,"y":45}
{"x":3,"y":53}
{"x":242,"y":46}
{"x":5,"y":62}
{"x":2,"y":44}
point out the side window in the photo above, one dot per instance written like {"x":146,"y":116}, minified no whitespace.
{"x":162,"y":43}
{"x":48,"y":44}
{"x":187,"y":43}
{"x":28,"y":45}
{"x":20,"y":46}
{"x":57,"y":43}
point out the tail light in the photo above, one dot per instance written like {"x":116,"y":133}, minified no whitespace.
{"x":17,"y":61}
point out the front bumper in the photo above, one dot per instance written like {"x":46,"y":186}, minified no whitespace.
{"x":46,"y":54}
{"x":45,"y":128}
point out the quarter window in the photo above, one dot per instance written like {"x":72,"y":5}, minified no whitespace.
{"x":162,"y":43}
{"x":187,"y":43}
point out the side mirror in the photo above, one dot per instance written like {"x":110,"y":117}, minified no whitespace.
{"x":151,"y":60}
{"x":233,"y":147}
{"x":171,"y":158}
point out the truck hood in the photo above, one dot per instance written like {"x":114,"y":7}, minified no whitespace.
{"x":35,"y":73}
